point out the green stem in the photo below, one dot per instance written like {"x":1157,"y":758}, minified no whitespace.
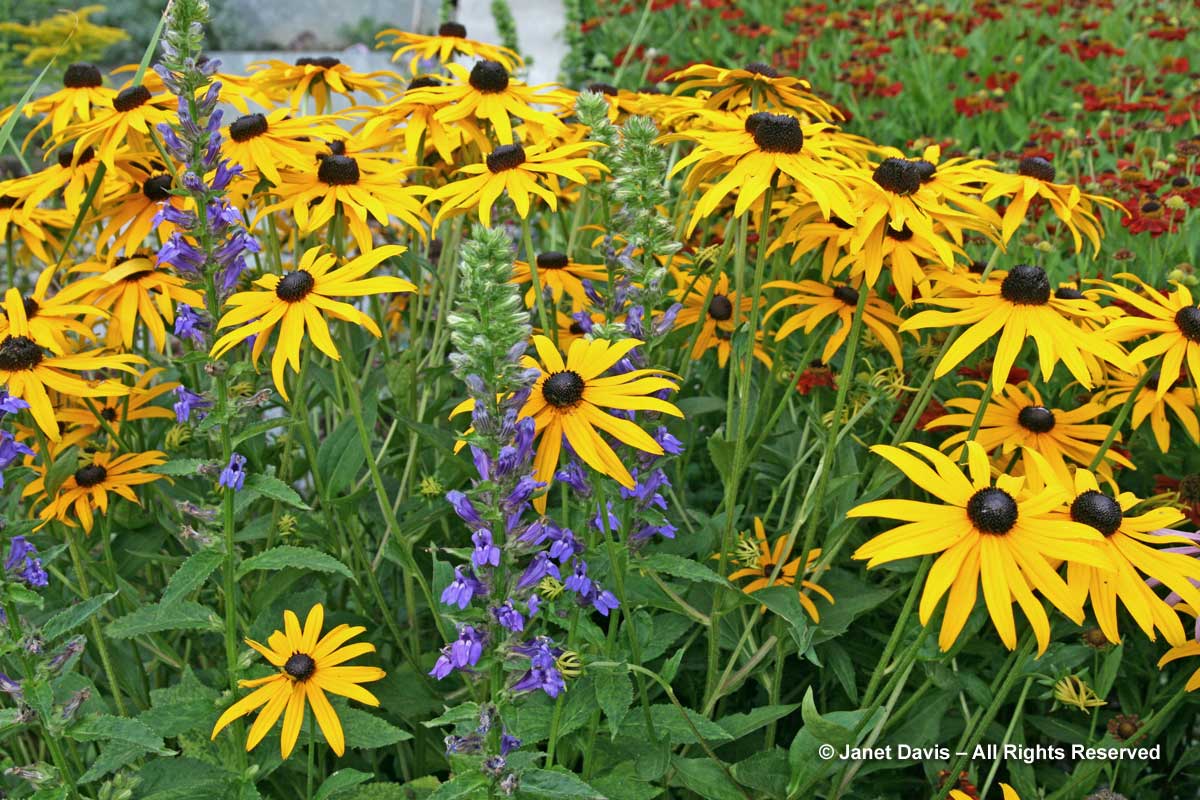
{"x":910,"y":603}
{"x":1122,"y":415}
{"x":97,"y":633}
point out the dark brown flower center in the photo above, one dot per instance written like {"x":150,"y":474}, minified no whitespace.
{"x":158,"y":188}
{"x":247,"y":127}
{"x":576,"y":328}
{"x":992,"y":511}
{"x":1026,"y":285}
{"x":720,"y":308}
{"x":424,"y":82}
{"x":898,"y":175}
{"x":926,"y":169}
{"x":109,"y":414}
{"x":82,"y":76}
{"x":1036,"y":419}
{"x":1098,"y":510}
{"x":338,"y":171}
{"x":1068,"y":293}
{"x":324,"y":62}
{"x":7,"y":201}
{"x":489,"y":77}
{"x":90,"y":475}
{"x":455,"y":29}
{"x":1036,"y":167}
{"x":505,"y":157}
{"x":602,"y":88}
{"x":66,"y":156}
{"x":294,"y":286}
{"x":775,"y":133}
{"x":552,"y":260}
{"x":759,"y":68}
{"x":31,"y":307}
{"x":563,"y":389}
{"x":300,"y":666}
{"x":18,"y":353}
{"x":131,"y":98}
{"x":1189,"y":488}
{"x":902,"y":235}
{"x":1188,"y":321}
{"x":846,"y":294}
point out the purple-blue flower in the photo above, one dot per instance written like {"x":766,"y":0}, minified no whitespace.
{"x":23,"y":562}
{"x":462,"y":589}
{"x":188,"y":401}
{"x":189,"y":324}
{"x":234,"y":474}
{"x":508,"y":616}
{"x":539,"y":567}
{"x":485,"y":553}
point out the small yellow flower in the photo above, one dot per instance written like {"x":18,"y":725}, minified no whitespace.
{"x":1072,"y":691}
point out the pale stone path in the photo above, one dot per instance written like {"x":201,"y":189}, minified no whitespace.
{"x":539,"y":31}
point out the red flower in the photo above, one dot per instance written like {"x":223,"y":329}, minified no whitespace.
{"x":817,"y":374}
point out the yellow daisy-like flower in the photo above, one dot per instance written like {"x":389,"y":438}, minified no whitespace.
{"x":1173,"y":320}
{"x":561,"y":275}
{"x":1018,"y":305}
{"x":130,"y":215}
{"x":1179,"y":398}
{"x":415,"y":122}
{"x":1003,"y":535}
{"x":723,"y":312}
{"x":1186,"y":650}
{"x":83,"y":92}
{"x":450,"y":41}
{"x":319,"y":78}
{"x":761,"y":564}
{"x":361,"y":189}
{"x":119,"y":409}
{"x":128,"y":121}
{"x":295,"y":302}
{"x":33,"y":226}
{"x":70,"y":173}
{"x":1018,"y":421}
{"x":85,"y":493}
{"x":1035,"y":178}
{"x":519,"y":171}
{"x":756,"y":84}
{"x":310,"y":665}
{"x":51,"y":319}
{"x":1129,"y":542}
{"x":1008,"y":792}
{"x":262,"y":144}
{"x":135,"y":289}
{"x":819,"y":301}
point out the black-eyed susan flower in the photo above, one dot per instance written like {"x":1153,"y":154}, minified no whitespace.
{"x":83,"y":91}
{"x":1130,"y":541}
{"x":560,"y":275}
{"x":70,"y":173}
{"x":85,"y":493}
{"x":33,"y":226}
{"x":53,"y":319}
{"x":449,"y":42}
{"x":1017,"y":422}
{"x":127,"y":121}
{"x":318,"y":78}
{"x":263,"y":144}
{"x":361,"y":189}
{"x":299,"y":300}
{"x":1000,"y":535}
{"x":137,"y":288}
{"x":718,"y":310}
{"x":1017,"y":304}
{"x":1173,"y":322}
{"x":1035,"y":178}
{"x":130,"y":215}
{"x":522,"y":172}
{"x":1186,"y":650}
{"x":818,"y":301}
{"x":759,"y":560}
{"x":136,"y":404}
{"x":415,"y":122}
{"x":756,"y":84}
{"x":1179,"y":398}
{"x":310,"y":666}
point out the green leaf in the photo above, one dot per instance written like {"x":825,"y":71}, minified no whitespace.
{"x":183,"y":615}
{"x":105,"y":727}
{"x":341,"y":781}
{"x":554,"y":784}
{"x":71,"y":618}
{"x":340,"y":457}
{"x":275,"y":489}
{"x":721,"y":453}
{"x":1109,"y":670}
{"x":113,"y":756}
{"x":785,"y":601}
{"x":259,"y":428}
{"x":467,"y":786}
{"x":823,"y":729}
{"x":669,"y":721}
{"x":765,"y":772}
{"x":191,"y":575}
{"x":286,"y":555}
{"x":679,"y":567}
{"x":739,"y":725}
{"x":179,"y":467}
{"x":365,"y":731}
{"x":705,"y":778}
{"x":614,"y":694}
{"x":455,"y":715}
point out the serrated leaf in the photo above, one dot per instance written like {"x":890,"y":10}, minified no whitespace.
{"x":705,"y":778}
{"x":679,"y":567}
{"x":341,"y":781}
{"x":179,"y":467}
{"x":366,"y":731}
{"x":286,"y":555}
{"x":785,"y":601}
{"x":468,"y":786}
{"x":340,"y":456}
{"x":614,"y":695}
{"x":191,"y":575}
{"x":184,"y":615}
{"x":71,"y":618}
{"x":261,"y":427}
{"x":739,"y":725}
{"x":271,"y":487}
{"x":553,"y":784}
{"x":668,"y":720}
{"x":113,"y":756}
{"x":455,"y":715}
{"x":107,"y":728}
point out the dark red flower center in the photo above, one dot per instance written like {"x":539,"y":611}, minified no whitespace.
{"x":489,"y":77}
{"x":898,"y":175}
{"x":91,"y":475}
{"x":131,"y":98}
{"x":1026,"y":285}
{"x":454,"y":29}
{"x":300,"y":666}
{"x":563,"y":389}
{"x":720,"y":308}
{"x":1036,"y":167}
{"x":295,"y":286}
{"x":1098,"y":510}
{"x":846,"y":294}
{"x":157,"y":188}
{"x":902,"y":235}
{"x":247,"y":127}
{"x":775,"y":133}
{"x":552,"y":260}
{"x":1036,"y":419}
{"x":82,"y":76}
{"x":18,"y":353}
{"x":1187,"y":319}
{"x":338,"y":171}
{"x":505,"y":157}
{"x":992,"y":511}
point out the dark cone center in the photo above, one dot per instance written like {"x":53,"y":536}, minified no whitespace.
{"x":324,"y":62}
{"x":992,"y":511}
{"x":338,"y":171}
{"x":926,"y":169}
{"x":775,"y":133}
{"x":489,"y":77}
{"x":902,"y":235}
{"x":31,"y":307}
{"x":846,"y":294}
{"x":157,"y":188}
{"x":455,"y":29}
{"x":18,"y":353}
{"x":563,"y":389}
{"x":1188,"y":321}
{"x":82,"y":76}
{"x":898,"y":175}
{"x":109,"y":414}
{"x":1037,"y":419}
{"x":424,"y":82}
{"x":1098,"y":510}
{"x":131,"y":98}
{"x":1189,"y":488}
{"x":1068,"y":293}
{"x":1037,"y":167}
{"x":247,"y":127}
{"x":505,"y":157}
{"x":66,"y":156}
{"x":90,"y":475}
{"x":552,"y":260}
{"x":759,"y":68}
{"x":720,"y":308}
{"x":300,"y":666}
{"x":602,"y":88}
{"x":294,"y":286}
{"x":1026,"y":285}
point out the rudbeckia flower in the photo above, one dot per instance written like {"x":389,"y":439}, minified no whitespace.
{"x":86,"y":491}
{"x":316,"y":77}
{"x":262,"y":144}
{"x":50,"y":319}
{"x":1017,"y":421}
{"x":33,"y":226}
{"x":1179,"y":398}
{"x":71,"y":173}
{"x":1003,"y":535}
{"x":127,"y":122}
{"x":718,"y":315}
{"x":1007,"y":791}
{"x":310,"y":665}
{"x":1035,"y":178}
{"x":518,"y":170}
{"x":1129,"y":542}
{"x":760,"y":560}
{"x":119,"y":409}
{"x":450,"y":41}
{"x":131,"y":215}
{"x":295,"y":301}
{"x":1173,"y":320}
{"x":83,"y":91}
{"x":1018,"y":305}
{"x":756,"y":84}
{"x":137,"y":288}
{"x":818,"y":302}
{"x":561,"y":275}
{"x":417,"y":122}
{"x":1186,"y":650}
